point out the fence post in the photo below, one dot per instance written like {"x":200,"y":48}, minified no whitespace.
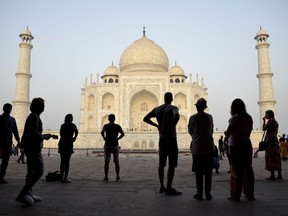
{"x":48,"y":152}
{"x":87,"y":152}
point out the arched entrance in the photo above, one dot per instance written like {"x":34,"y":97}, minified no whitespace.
{"x":141,"y":103}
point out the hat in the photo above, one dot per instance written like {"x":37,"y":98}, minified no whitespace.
{"x":201,"y":103}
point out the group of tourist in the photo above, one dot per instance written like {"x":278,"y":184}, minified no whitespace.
{"x":32,"y":144}
{"x":200,"y":127}
{"x":283,"y":142}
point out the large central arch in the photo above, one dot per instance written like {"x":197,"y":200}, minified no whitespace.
{"x":140,"y":104}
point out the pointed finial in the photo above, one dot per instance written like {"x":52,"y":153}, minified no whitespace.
{"x":27,"y":27}
{"x":260,"y":27}
{"x":144,"y":32}
{"x":112,"y":63}
{"x":175,"y":63}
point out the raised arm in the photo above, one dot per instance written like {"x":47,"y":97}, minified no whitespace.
{"x":148,"y":120}
{"x":75,"y":134}
{"x":122,"y":134}
{"x":103,"y":133}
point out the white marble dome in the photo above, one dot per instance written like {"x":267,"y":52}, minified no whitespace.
{"x":144,"y":55}
{"x":111,"y":70}
{"x":176,"y":70}
{"x":261,"y":32}
{"x":26,"y":32}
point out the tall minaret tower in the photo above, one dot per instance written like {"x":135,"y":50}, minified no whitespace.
{"x":266,"y":95}
{"x":21,"y":101}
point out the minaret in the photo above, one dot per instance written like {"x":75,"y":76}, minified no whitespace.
{"x":82,"y":109}
{"x":266,"y":95}
{"x":21,"y":101}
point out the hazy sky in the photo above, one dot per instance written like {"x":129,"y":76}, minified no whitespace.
{"x":214,"y":39}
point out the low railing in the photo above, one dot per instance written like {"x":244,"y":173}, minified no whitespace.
{"x":96,"y":152}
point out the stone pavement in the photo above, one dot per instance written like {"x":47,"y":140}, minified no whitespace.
{"x":137,"y":193}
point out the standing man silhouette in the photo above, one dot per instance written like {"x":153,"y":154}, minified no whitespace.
{"x":8,"y":128}
{"x":110,"y":134}
{"x":32,"y":143}
{"x":167,"y":117}
{"x":200,"y":128}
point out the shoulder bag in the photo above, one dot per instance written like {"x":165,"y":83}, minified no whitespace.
{"x":262,"y":143}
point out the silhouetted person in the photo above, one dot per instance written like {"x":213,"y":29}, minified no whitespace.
{"x":200,"y":128}
{"x":272,"y":150}
{"x":32,"y":143}
{"x":283,"y":147}
{"x":282,"y":138}
{"x":221,"y":147}
{"x":110,"y":134}
{"x":216,"y":163}
{"x":15,"y":150}
{"x":241,"y":151}
{"x":68,"y":135}
{"x":227,"y":151}
{"x":167,"y":117}
{"x":21,"y":157}
{"x":8,"y":128}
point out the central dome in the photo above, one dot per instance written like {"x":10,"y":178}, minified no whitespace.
{"x":144,"y":55}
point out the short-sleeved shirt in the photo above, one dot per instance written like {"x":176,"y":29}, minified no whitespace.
{"x":200,"y":127}
{"x":167,"y":117}
{"x":112,"y":131}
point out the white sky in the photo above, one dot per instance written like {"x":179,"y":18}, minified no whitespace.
{"x":215,"y":39}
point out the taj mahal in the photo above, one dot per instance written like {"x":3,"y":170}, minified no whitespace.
{"x":133,"y":89}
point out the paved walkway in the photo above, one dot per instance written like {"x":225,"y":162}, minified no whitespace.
{"x":137,"y":194}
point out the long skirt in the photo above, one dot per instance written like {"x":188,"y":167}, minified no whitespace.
{"x":272,"y":155}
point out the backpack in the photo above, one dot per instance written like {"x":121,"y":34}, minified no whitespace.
{"x":53,"y":176}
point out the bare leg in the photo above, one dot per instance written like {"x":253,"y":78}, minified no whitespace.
{"x":161,"y":176}
{"x":170,"y":176}
{"x":117,"y":169}
{"x":106,"y":169}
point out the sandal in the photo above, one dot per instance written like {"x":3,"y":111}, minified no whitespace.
{"x":279,"y":177}
{"x":271,"y":178}
{"x":198,"y":196}
{"x":250,"y":198}
{"x":234,"y":199}
{"x":208,"y":197}
{"x":172,"y":192}
{"x":162,"y":190}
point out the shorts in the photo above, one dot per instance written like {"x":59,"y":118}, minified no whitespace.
{"x":168,"y":147}
{"x":108,"y":150}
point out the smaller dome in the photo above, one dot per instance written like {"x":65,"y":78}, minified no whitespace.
{"x":261,"y":32}
{"x":177,"y":70}
{"x":111,"y":70}
{"x":26,"y":32}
